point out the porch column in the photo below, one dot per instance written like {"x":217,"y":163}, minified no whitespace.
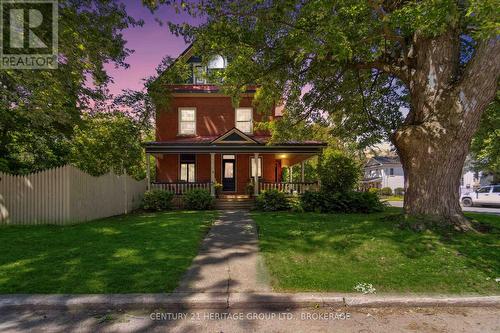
{"x":212,"y":174}
{"x":148,"y":176}
{"x":302,"y":168}
{"x":256,"y":177}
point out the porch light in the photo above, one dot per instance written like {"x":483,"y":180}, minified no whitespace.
{"x":283,"y":156}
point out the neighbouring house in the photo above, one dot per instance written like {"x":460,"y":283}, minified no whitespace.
{"x":202,"y":139}
{"x":472,"y":180}
{"x":387,"y":171}
{"x":383,"y":171}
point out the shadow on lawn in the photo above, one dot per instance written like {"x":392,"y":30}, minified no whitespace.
{"x":346,"y":234}
{"x":232,"y":240}
{"x":145,"y":252}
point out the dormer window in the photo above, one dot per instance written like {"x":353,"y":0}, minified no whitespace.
{"x":199,"y":74}
{"x":187,"y":121}
{"x":244,"y":120}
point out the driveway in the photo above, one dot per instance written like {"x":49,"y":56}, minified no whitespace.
{"x":489,"y":210}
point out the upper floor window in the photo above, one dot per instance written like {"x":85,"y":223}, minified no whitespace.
{"x":391,"y":172}
{"x":199,"y":74}
{"x":187,"y":121}
{"x":244,"y":120}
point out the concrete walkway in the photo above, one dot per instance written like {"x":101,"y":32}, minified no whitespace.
{"x":228,"y":260}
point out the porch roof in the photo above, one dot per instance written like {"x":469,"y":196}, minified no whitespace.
{"x":206,"y":145}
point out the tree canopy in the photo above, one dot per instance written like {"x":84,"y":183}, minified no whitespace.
{"x":40,"y":108}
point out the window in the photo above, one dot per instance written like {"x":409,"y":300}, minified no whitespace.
{"x":244,"y":120}
{"x":198,"y":72}
{"x":252,"y":167}
{"x":188,"y":168}
{"x":484,"y":190}
{"x":496,"y":189}
{"x":391,"y":172}
{"x":187,"y":121}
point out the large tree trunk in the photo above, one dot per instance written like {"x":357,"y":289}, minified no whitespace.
{"x":446,"y":108}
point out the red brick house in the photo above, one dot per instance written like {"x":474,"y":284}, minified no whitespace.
{"x":202,"y":139}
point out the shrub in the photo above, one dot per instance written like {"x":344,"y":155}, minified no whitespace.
{"x":272,"y":200}
{"x":338,"y":172}
{"x":157,"y":200}
{"x":373,"y":190}
{"x":399,"y":191}
{"x":198,"y":199}
{"x":386,"y":191}
{"x":312,"y":201}
{"x":349,"y":202}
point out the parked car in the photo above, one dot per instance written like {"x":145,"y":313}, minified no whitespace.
{"x":486,"y":195}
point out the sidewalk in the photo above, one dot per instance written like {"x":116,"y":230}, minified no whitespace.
{"x":229,"y":260}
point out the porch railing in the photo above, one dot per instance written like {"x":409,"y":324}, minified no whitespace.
{"x":180,"y":187}
{"x":290,"y":188}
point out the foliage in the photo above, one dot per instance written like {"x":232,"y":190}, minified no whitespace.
{"x":338,"y":172}
{"x":347,"y":202}
{"x":385,"y":191}
{"x":133,"y":253}
{"x":351,"y":56}
{"x":300,"y":250}
{"x":250,"y":188}
{"x":374,"y":190}
{"x":272,"y":200}
{"x":486,"y":143}
{"x":40,"y":108}
{"x":198,"y":199}
{"x":107,"y":142}
{"x":218,"y":188}
{"x":157,"y":200}
{"x":399,"y":191}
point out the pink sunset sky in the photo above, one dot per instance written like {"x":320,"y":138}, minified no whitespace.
{"x":151,"y":43}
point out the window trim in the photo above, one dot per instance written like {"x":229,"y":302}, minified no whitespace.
{"x":251,"y":160}
{"x":179,"y":120}
{"x":236,"y":119}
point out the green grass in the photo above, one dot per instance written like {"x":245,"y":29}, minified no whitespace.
{"x":143,"y":252}
{"x":333,"y":252}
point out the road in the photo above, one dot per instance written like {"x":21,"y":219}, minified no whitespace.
{"x":490,"y":210}
{"x":366,"y":320}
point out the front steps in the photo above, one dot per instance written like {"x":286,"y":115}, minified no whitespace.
{"x":234,"y":202}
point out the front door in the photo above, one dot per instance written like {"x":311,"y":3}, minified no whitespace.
{"x":228,"y":174}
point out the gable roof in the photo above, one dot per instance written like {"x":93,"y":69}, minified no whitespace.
{"x":382,"y":160}
{"x":234,"y":135}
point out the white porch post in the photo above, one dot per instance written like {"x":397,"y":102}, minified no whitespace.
{"x":148,"y":176}
{"x":290,"y":176}
{"x":212,"y":174}
{"x":302,"y":169}
{"x":256,"y":176}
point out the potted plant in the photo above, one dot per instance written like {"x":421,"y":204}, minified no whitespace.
{"x":250,"y":188}
{"x":218,"y":189}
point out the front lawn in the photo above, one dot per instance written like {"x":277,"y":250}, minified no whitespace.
{"x":146,"y":252}
{"x":334,"y":252}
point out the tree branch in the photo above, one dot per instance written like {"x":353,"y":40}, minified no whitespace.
{"x":478,"y":85}
{"x":383,"y":66}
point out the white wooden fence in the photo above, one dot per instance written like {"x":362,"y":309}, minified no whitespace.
{"x":66,"y":195}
